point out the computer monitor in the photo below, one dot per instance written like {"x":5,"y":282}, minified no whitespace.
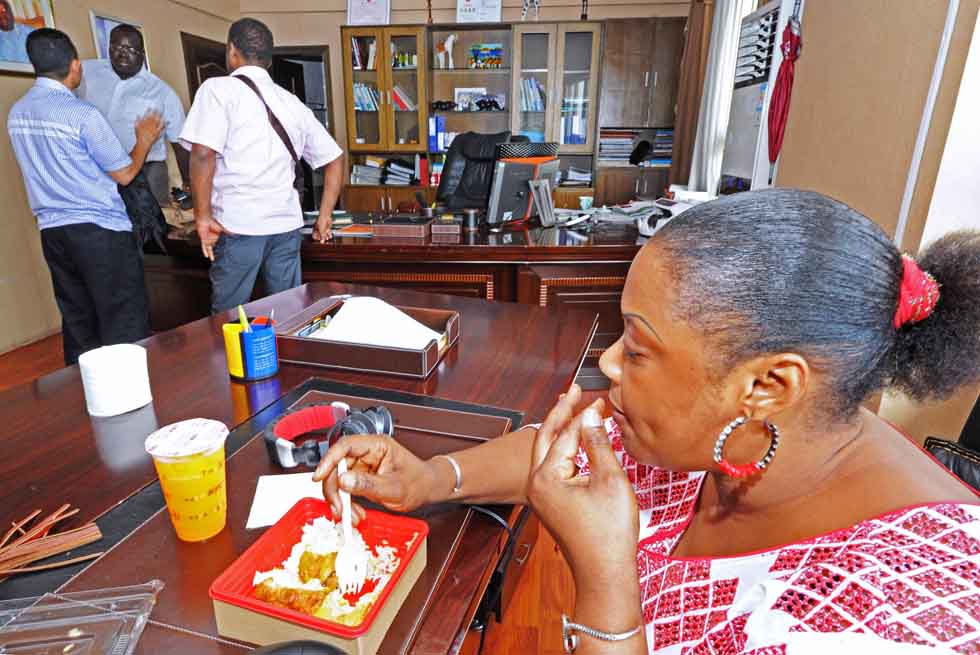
{"x":510,"y":193}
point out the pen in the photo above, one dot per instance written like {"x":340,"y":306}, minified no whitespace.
{"x":243,"y":319}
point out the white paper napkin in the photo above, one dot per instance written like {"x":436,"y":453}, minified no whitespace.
{"x":276,"y":494}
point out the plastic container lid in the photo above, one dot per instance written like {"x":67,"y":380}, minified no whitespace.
{"x":185,"y":438}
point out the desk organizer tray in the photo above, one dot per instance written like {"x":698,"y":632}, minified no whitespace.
{"x":404,"y":226}
{"x":298,"y":349}
{"x":240,"y":615}
{"x":453,"y":227}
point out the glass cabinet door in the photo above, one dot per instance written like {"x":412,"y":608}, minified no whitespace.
{"x":405,"y":63}
{"x":534,"y":58}
{"x":578,"y":52}
{"x":365,"y":89}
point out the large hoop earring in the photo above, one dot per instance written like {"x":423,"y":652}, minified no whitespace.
{"x":745,"y":470}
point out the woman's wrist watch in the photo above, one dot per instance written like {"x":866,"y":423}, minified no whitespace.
{"x":570,"y":638}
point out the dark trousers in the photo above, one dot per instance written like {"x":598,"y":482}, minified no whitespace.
{"x":238,"y":260}
{"x":98,"y":283}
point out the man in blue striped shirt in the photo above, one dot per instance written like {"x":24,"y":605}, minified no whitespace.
{"x":71,"y":162}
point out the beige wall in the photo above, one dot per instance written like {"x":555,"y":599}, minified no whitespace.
{"x":858,"y":97}
{"x":317,"y":22}
{"x":25,"y":285}
{"x":860,"y":89}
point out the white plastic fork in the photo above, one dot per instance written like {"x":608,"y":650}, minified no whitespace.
{"x":352,"y":558}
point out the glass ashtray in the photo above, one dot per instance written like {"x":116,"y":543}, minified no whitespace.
{"x":98,"y":622}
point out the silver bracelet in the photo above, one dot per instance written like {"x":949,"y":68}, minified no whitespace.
{"x":459,"y":472}
{"x":570,"y":639}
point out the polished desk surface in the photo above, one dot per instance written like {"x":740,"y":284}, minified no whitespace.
{"x":605,"y":242}
{"x":509,"y":355}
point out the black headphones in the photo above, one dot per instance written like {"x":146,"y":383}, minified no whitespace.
{"x":321,"y":425}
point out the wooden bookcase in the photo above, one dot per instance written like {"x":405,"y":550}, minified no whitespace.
{"x":560,"y":60}
{"x":385,"y":89}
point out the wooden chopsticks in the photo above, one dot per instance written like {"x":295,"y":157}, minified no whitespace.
{"x":21,"y":546}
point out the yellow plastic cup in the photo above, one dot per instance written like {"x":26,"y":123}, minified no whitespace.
{"x":189,"y":457}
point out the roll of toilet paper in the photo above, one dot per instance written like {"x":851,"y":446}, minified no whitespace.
{"x":115,"y":379}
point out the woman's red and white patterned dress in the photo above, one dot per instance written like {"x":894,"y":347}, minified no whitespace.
{"x":909,"y":576}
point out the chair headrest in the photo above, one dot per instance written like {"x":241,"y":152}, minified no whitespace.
{"x":481,"y":147}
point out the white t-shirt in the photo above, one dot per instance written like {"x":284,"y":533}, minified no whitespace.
{"x":123,"y":102}
{"x":253,"y":180}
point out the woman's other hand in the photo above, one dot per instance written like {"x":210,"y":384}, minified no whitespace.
{"x":379,"y":469}
{"x":594,"y":518}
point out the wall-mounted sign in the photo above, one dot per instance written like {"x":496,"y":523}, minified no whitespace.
{"x":478,"y":11}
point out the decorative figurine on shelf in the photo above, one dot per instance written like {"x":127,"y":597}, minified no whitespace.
{"x":443,"y":49}
{"x":531,"y":4}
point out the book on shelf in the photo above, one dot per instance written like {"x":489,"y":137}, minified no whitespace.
{"x":402,"y":100}
{"x":437,"y":131}
{"x":356,"y":54}
{"x":372,"y":51}
{"x":374,"y":161}
{"x":577,"y":177}
{"x":532,"y":95}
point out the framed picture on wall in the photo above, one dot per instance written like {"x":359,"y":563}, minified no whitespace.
{"x":102,"y":25}
{"x":18,"y":18}
{"x":368,"y":12}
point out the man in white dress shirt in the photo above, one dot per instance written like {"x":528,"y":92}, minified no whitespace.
{"x":246,"y":207}
{"x":124,"y":90}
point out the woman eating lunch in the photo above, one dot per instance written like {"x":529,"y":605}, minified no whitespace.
{"x":741,"y":499}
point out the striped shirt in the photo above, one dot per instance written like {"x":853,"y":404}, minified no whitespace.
{"x":65,"y":148}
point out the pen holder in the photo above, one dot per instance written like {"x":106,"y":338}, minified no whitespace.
{"x":251,"y":355}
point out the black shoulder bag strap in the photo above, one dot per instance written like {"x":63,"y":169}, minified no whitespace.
{"x":280,"y":130}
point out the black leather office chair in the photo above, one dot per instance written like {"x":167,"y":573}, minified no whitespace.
{"x":468,"y":170}
{"x":961,"y":457}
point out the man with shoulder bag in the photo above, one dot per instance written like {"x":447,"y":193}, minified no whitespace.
{"x":246,"y":135}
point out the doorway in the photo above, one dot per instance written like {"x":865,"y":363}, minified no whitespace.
{"x":305,"y":71}
{"x":203,"y":59}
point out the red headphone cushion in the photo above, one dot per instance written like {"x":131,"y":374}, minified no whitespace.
{"x":308,"y":419}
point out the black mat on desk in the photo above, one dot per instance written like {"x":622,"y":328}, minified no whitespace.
{"x":125,"y":517}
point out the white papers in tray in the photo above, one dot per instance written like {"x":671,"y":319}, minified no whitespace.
{"x":373,"y":322}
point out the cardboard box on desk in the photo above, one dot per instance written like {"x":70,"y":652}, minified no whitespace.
{"x":361,"y":357}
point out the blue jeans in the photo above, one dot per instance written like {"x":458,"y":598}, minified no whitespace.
{"x":238,"y":259}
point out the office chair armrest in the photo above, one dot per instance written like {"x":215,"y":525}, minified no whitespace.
{"x":962,"y":461}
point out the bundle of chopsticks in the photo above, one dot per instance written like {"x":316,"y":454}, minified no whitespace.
{"x":21,"y":546}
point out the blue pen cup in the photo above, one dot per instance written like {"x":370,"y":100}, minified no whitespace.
{"x":260,"y":358}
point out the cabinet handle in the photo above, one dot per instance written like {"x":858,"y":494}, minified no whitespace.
{"x":636,"y":186}
{"x":646,"y":79}
{"x":655,"y":77}
{"x":520,"y":559}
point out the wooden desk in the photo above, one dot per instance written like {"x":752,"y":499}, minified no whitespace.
{"x":547,"y":267}
{"x":508,"y":356}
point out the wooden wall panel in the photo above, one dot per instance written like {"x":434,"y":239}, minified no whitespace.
{"x":861,"y":84}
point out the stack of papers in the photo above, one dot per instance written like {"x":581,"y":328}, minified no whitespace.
{"x":373,"y":322}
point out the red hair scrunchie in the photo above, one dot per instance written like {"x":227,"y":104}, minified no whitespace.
{"x":917,"y":296}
